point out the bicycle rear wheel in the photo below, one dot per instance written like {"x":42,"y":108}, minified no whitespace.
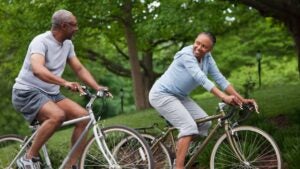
{"x":10,"y":146}
{"x":161,"y":155}
{"x":258,"y":149}
{"x":127,"y":146}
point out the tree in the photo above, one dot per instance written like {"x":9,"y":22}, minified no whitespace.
{"x":140,"y":31}
{"x":131,"y":38}
{"x":286,"y":11}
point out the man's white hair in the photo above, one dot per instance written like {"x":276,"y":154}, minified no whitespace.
{"x":61,"y":16}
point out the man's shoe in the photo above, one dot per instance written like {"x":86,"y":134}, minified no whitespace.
{"x":24,"y":163}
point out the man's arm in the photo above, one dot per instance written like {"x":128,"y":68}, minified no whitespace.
{"x":39,"y":70}
{"x":83,"y":74}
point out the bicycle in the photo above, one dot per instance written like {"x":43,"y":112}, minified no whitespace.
{"x":238,"y":146}
{"x":100,"y":150}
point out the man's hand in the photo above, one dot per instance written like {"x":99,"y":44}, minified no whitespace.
{"x":106,"y":91}
{"x":73,"y":86}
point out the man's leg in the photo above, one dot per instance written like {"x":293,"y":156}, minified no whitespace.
{"x":51,"y":117}
{"x":73,"y":110}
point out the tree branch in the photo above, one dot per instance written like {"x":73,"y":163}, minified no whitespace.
{"x":120,"y":51}
{"x":280,"y":9}
{"x":109,"y":64}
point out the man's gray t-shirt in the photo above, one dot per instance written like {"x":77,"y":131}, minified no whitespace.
{"x":56,"y":55}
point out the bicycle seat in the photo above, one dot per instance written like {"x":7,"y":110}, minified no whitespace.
{"x":34,"y":123}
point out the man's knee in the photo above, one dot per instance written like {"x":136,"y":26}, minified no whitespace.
{"x":58,"y":117}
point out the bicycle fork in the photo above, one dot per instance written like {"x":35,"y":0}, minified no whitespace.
{"x":24,"y":146}
{"x":100,"y":139}
{"x":234,"y":145}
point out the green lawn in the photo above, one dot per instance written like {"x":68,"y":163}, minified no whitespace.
{"x":279,"y":116}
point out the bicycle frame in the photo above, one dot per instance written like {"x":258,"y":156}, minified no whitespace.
{"x":97,"y":133}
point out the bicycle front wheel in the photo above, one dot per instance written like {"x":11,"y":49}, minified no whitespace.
{"x":10,"y":146}
{"x":257,"y":148}
{"x":128,"y":147}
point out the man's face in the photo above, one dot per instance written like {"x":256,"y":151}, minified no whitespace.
{"x":202,"y":45}
{"x":70,"y":27}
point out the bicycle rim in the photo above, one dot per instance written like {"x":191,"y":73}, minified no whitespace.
{"x":161,"y":155}
{"x":257,"y":148}
{"x":10,"y":145}
{"x":128,"y":148}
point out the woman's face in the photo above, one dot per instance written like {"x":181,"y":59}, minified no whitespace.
{"x":202,"y":45}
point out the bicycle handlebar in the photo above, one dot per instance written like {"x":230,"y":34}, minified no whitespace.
{"x":100,"y":93}
{"x":246,"y":108}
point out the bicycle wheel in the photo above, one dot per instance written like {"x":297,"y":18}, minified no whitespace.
{"x":161,"y":155}
{"x":257,"y":148}
{"x":10,"y":146}
{"x":127,"y":146}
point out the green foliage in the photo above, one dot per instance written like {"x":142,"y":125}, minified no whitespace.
{"x":292,"y":144}
{"x":10,"y":121}
{"x":273,"y":73}
{"x":239,"y":47}
{"x":240,"y":31}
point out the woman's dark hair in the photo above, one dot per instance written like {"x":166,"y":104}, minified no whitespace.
{"x":211,"y":36}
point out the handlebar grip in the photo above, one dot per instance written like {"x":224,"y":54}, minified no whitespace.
{"x":103,"y":93}
{"x":86,"y":91}
{"x":248,"y":107}
{"x":100,"y":93}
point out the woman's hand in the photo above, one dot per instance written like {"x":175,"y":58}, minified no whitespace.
{"x":230,"y":99}
{"x":252,"y":102}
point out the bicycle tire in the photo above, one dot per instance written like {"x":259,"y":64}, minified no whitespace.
{"x":10,"y":146}
{"x":258,"y":148}
{"x":134,"y":152}
{"x":161,"y":154}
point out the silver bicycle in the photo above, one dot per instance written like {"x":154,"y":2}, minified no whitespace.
{"x":103,"y":148}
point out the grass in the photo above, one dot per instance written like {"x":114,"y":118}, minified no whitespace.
{"x":279,"y":116}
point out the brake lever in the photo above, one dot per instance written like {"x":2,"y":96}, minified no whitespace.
{"x":84,"y":89}
{"x":256,"y":107}
{"x":250,"y":107}
{"x":82,"y":94}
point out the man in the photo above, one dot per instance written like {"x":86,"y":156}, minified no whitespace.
{"x":169,"y":94}
{"x":36,"y":92}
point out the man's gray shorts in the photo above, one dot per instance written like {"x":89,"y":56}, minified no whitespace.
{"x":29,"y":102}
{"x":180,"y":112}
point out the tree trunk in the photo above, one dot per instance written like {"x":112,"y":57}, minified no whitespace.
{"x":149,"y":75}
{"x":294,"y":28}
{"x":138,"y":85}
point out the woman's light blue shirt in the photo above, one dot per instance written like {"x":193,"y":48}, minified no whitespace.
{"x":185,"y":74}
